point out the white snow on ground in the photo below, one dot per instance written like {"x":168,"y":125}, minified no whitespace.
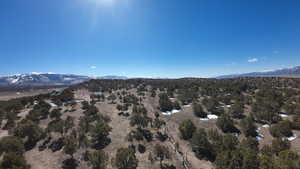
{"x":283,"y":115}
{"x":228,"y":106}
{"x":168,"y":113}
{"x":260,"y":137}
{"x":292,"y":137}
{"x":204,"y":119}
{"x":266,"y":126}
{"x":210,"y":117}
{"x":53,"y":105}
{"x":258,"y":129}
{"x":175,"y":111}
{"x":236,"y":134}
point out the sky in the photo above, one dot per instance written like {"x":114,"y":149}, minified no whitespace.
{"x":148,"y":38}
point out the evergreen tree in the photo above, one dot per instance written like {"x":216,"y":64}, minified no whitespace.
{"x":126,"y":159}
{"x":187,"y":128}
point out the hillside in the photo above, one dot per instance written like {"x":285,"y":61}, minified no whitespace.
{"x":155,"y":124}
{"x":47,"y":79}
{"x":286,"y":72}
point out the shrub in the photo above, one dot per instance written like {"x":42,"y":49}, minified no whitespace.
{"x":282,"y":129}
{"x":198,"y":110}
{"x":11,"y":144}
{"x":187,"y":128}
{"x":98,"y":159}
{"x":226,"y":124}
{"x":248,"y":127}
{"x":126,"y":159}
{"x":201,"y":146}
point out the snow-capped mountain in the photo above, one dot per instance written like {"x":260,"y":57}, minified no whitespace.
{"x":48,"y":79}
{"x":42,"y":79}
{"x":285,"y":72}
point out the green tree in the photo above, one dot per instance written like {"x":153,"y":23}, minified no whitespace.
{"x":288,"y":160}
{"x":248,"y":127}
{"x":187,"y":128}
{"x":98,"y":159}
{"x":126,"y":159}
{"x":161,"y":152}
{"x":165,"y":103}
{"x":201,"y":146}
{"x":11,"y":144}
{"x":266,"y":162}
{"x":226,"y":124}
{"x":279,"y":145}
{"x":29,"y":130}
{"x":70,"y":143}
{"x":281,"y":129}
{"x":250,"y":144}
{"x":55,"y":113}
{"x":198,"y":110}
{"x":237,"y":110}
{"x":101,"y":132}
{"x":12,"y":160}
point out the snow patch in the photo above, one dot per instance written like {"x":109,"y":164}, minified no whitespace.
{"x":283,"y":115}
{"x":53,"y":105}
{"x":168,"y":113}
{"x":292,"y":137}
{"x":266,"y":126}
{"x":212,"y":116}
{"x":260,"y":137}
{"x":204,"y":119}
{"x":209,"y":117}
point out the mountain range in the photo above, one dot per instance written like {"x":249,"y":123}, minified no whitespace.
{"x":48,"y":79}
{"x":285,"y":72}
{"x":54,"y":79}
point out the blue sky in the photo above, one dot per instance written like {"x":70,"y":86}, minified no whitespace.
{"x":148,"y":38}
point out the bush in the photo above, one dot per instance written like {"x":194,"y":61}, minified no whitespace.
{"x":296,"y":122}
{"x":161,"y":152}
{"x":237,"y":110}
{"x":201,"y":146}
{"x":165,"y":103}
{"x":98,"y":159}
{"x":141,"y":148}
{"x":226,"y":124}
{"x":187,"y":128}
{"x":31,"y":131}
{"x":248,"y":127}
{"x":12,"y":160}
{"x":198,"y":110}
{"x":279,"y":145}
{"x":11,"y":144}
{"x":100,"y":134}
{"x":126,"y":159}
{"x":282,"y":129}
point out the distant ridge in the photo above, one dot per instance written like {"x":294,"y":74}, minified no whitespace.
{"x":48,"y":79}
{"x":113,"y":77}
{"x":285,"y":72}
